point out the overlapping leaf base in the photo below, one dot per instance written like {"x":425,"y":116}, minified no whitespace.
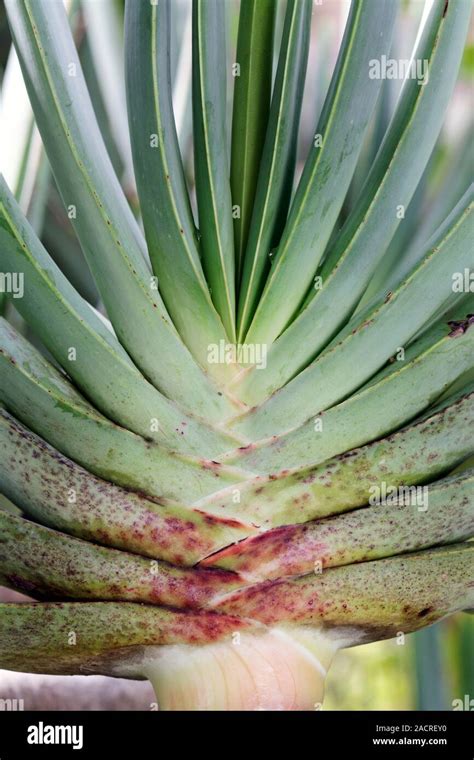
{"x":223,"y":528}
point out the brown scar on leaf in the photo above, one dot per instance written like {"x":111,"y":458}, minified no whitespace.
{"x":460,"y":326}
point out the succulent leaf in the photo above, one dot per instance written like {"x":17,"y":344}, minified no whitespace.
{"x":241,"y":447}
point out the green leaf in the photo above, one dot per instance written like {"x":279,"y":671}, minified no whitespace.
{"x":100,"y":103}
{"x":104,"y":29}
{"x":113,"y":638}
{"x":164,"y":201}
{"x":373,"y":139}
{"x":211,"y":159}
{"x":51,"y":565}
{"x":366,"y":343}
{"x":41,"y":397}
{"x":24,"y":162}
{"x":64,"y":248}
{"x":458,"y":320}
{"x":416,"y":454}
{"x":399,"y":593}
{"x":404,"y":235}
{"x":391,"y":399}
{"x":109,"y":235}
{"x":457,"y":179}
{"x":329,"y":167}
{"x":277,"y":166}
{"x":252,"y":92}
{"x":36,"y":477}
{"x":399,"y":165}
{"x":399,"y":520}
{"x":86,"y":349}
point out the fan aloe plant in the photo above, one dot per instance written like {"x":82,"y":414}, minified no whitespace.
{"x":249,"y":463}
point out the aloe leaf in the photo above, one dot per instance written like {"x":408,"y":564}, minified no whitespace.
{"x":329,"y":168}
{"x":252,"y":90}
{"x":366,"y":345}
{"x":428,"y":448}
{"x":405,"y":233}
{"x":86,"y":349}
{"x":367,"y":601}
{"x":164,"y":200}
{"x":104,"y":33}
{"x":457,"y":320}
{"x":377,"y":409}
{"x":93,"y":83}
{"x":374,"y":137}
{"x":110,"y":638}
{"x":8,"y":506}
{"x":454,"y":185}
{"x":59,"y":493}
{"x":24,"y":162}
{"x":44,"y":400}
{"x":47,"y":564}
{"x":389,"y":187}
{"x":423,"y":98}
{"x":64,"y":248}
{"x":21,"y":246}
{"x":109,"y":235}
{"x":211,"y":159}
{"x":277,"y":166}
{"x":407,"y":519}
{"x":456,"y":306}
{"x":438,"y":192}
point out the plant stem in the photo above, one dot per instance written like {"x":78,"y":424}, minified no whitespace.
{"x":280,"y":669}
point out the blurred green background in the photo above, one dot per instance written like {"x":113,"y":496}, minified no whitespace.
{"x":427,"y":670}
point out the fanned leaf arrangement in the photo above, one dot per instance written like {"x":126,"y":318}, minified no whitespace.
{"x":258,"y":448}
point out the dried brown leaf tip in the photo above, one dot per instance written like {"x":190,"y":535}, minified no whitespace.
{"x":459,"y":327}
